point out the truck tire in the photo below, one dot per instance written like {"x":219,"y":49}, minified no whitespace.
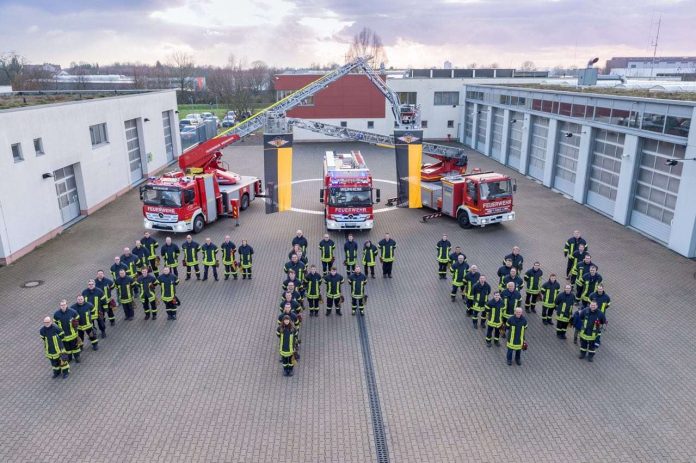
{"x":463,"y":219}
{"x":198,"y":224}
{"x":244,"y":203}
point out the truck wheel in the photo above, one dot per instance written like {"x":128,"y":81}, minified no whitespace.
{"x":245,"y":202}
{"x":198,"y":224}
{"x":463,"y":219}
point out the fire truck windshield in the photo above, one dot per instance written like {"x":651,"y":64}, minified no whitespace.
{"x":495,"y":190}
{"x":350,"y":197}
{"x":168,"y":197}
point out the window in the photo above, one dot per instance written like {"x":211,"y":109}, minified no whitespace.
{"x":446,"y":98}
{"x":344,"y":124}
{"x":17,"y":152}
{"x":38,"y":147}
{"x":407,"y":97}
{"x":98,"y":134}
{"x":370,"y":124}
{"x":474,"y":95}
{"x":424,"y":124}
{"x":450,"y":124}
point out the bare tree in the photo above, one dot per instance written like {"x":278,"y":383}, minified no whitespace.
{"x":11,"y":69}
{"x":528,"y":66}
{"x":183,"y":66}
{"x":220,"y":84}
{"x":368,"y":43}
{"x":259,"y":76}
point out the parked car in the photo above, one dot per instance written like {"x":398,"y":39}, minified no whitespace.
{"x":185,"y":123}
{"x":213,"y":118}
{"x":228,"y":121}
{"x":188,"y":129}
{"x":195,"y":118}
{"x":232,"y":114}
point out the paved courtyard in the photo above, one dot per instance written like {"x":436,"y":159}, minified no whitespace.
{"x":209,"y":387}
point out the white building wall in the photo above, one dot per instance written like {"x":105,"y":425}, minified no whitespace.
{"x":29,"y":212}
{"x":381,"y":125}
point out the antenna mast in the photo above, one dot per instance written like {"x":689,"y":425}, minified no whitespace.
{"x":654,"y":44}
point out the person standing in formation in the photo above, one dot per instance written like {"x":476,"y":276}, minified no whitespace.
{"x":589,"y":322}
{"x":228,"y":258}
{"x":516,"y":258}
{"x":532,"y":282}
{"x":167,"y":282}
{"x":313,"y":290}
{"x":209,"y":250}
{"x":357,"y":282}
{"x":577,"y":257}
{"x":151,"y":244}
{"x":573,"y":244}
{"x":504,"y":272}
{"x":454,"y":257}
{"x":470,"y":279}
{"x":246,"y":253}
{"x":443,"y":248}
{"x":85,"y":326}
{"x":67,"y":320}
{"x":286,"y":333}
{"x":191,"y":250}
{"x":333,"y":291}
{"x":146,"y":286}
{"x":130,"y":261}
{"x":170,"y":253}
{"x":479,"y":293}
{"x":301,"y":241}
{"x":511,"y":301}
{"x":516,"y":328}
{"x":96,"y":297}
{"x":327,"y":249}
{"x":369,"y":258}
{"x":459,"y":271}
{"x":549,"y":292}
{"x":350,"y":248}
{"x":494,"y":312}
{"x":107,"y":286}
{"x":387,"y":249}
{"x":564,"y":303}
{"x":54,"y":349}
{"x":124,"y":289}
{"x":117,"y":267}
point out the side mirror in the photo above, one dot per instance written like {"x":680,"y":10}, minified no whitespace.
{"x":321,"y":195}
{"x":188,"y":196}
{"x":514,"y":186}
{"x":378,"y":193}
{"x":142,"y":192}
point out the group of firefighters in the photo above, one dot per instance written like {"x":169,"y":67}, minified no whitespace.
{"x":303,"y":282}
{"x":500,"y":310}
{"x":135,"y":273}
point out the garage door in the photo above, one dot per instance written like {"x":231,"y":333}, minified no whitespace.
{"x":168,"y":143}
{"x":537,"y":147}
{"x":657,"y":184}
{"x":605,"y":166}
{"x":567,"y":152}
{"x":496,"y":132}
{"x":481,"y":129}
{"x":133,"y":145}
{"x":515,"y":144}
{"x":66,"y":191}
{"x":469,"y":124}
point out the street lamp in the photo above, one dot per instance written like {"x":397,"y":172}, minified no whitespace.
{"x":674,"y":162}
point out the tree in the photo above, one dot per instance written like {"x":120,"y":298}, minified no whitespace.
{"x":183,"y":66}
{"x":528,"y":66}
{"x":11,"y":69}
{"x":472,"y":65}
{"x":367,"y":43}
{"x":258,"y":76}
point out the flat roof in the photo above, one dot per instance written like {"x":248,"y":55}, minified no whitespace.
{"x":35,"y":98}
{"x":626,"y":92}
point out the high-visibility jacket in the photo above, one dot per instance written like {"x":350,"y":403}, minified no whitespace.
{"x":516,"y":328}
{"x":106,"y":285}
{"x":286,"y":338}
{"x":327,"y":248}
{"x":589,"y":285}
{"x":116,"y":269}
{"x":357,"y":284}
{"x":532,"y":279}
{"x":443,"y":248}
{"x":581,"y":268}
{"x":313,"y":284}
{"x":564,"y":306}
{"x":131,"y":263}
{"x":572,"y":245}
{"x":469,"y":280}
{"x":190,"y":251}
{"x":147,"y":287}
{"x":84,"y":315}
{"x":503,"y":271}
{"x":454,"y":258}
{"x":299,"y":285}
{"x":603,"y":301}
{"x":151,"y":244}
{"x":168,"y":286}
{"x":479,"y":294}
{"x":52,"y":338}
{"x":369,"y":256}
{"x":494,"y":310}
{"x":124,"y":289}
{"x":459,"y":271}
{"x":228,"y":250}
{"x":302,"y":241}
{"x":590,"y":323}
{"x":245,"y":255}
{"x":209,"y":254}
{"x":387,"y":249}
{"x":333,"y":285}
{"x":302,"y":259}
{"x":170,"y":254}
{"x":517,"y":261}
{"x":95,"y":297}
{"x":64,"y":321}
{"x":143,"y":255}
{"x":549,"y":291}
{"x":350,"y":248}
{"x":519,"y":284}
{"x":298,"y":267}
{"x":511,"y":300}
{"x":576,"y":258}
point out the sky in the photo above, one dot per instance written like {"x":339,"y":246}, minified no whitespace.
{"x":298,"y":33}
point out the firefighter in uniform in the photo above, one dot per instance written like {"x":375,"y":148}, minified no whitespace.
{"x":589,"y":323}
{"x":333,"y":281}
{"x":516,"y":328}
{"x":117,"y":266}
{"x":459,"y":271}
{"x":350,"y":248}
{"x":107,"y":286}
{"x":480,"y":293}
{"x":296,"y":296}
{"x":209,"y":251}
{"x":603,"y":302}
{"x":494,"y":313}
{"x":387,"y":247}
{"x":297,"y":250}
{"x":296,"y":266}
{"x":582,"y":267}
{"x":313,"y":290}
{"x":564,"y":303}
{"x":297,"y":286}
{"x":326,"y":248}
{"x":124,"y":289}
{"x":143,"y":255}
{"x":532,"y":281}
{"x":369,"y":258}
{"x":130,"y":260}
{"x":245,"y":259}
{"x":548,"y":294}
{"x":443,"y":248}
{"x":572,"y":245}
{"x":286,"y":333}
{"x":67,"y":320}
{"x":85,"y":326}
{"x":300,"y":240}
{"x":146,"y":284}
{"x":170,"y":253}
{"x":590,"y":280}
{"x":229,"y":250}
{"x":151,"y":244}
{"x":470,"y":279}
{"x":288,"y":297}
{"x":97,"y":298}
{"x":511,"y":300}
{"x":168,"y":282}
{"x":503,"y":272}
{"x":516,"y":258}
{"x":357,"y":281}
{"x":577,"y":257}
{"x":191,"y":250}
{"x":54,"y":349}
{"x":454,"y":257}
{"x":514,"y":278}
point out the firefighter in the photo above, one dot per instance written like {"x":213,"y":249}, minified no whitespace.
{"x":170,"y":252}
{"x":590,"y":280}
{"x":143,"y":255}
{"x":369,"y":258}
{"x":300,"y":240}
{"x":124,"y":289}
{"x":589,"y":323}
{"x":297,"y":250}
{"x":245,"y":259}
{"x":503,"y":272}
{"x":151,"y":244}
{"x":146,"y":283}
{"x":443,"y":248}
{"x":603,"y":302}
{"x":286,"y":335}
{"x":459,"y":271}
{"x":296,"y":295}
{"x":514,"y":278}
{"x":54,"y":349}
{"x":107,"y":286}
{"x":454,"y":257}
{"x":511,"y":300}
{"x":516,"y":258}
{"x":494,"y":314}
{"x":357,"y":283}
{"x":516,"y":328}
{"x":209,"y":251}
{"x":191,"y":250}
{"x":564,"y":303}
{"x":287,"y":310}
{"x":85,"y":310}
{"x":333,"y":281}
{"x":117,"y":266}
{"x":229,"y":249}
{"x":167,"y":282}
{"x":67,"y":320}
{"x":583,"y":260}
{"x":350,"y":248}
{"x":296,"y":266}
{"x":532,"y":282}
{"x":548,"y":294}
{"x":130,"y":260}
{"x":479,"y":293}
{"x":97,"y":298}
{"x":470,"y":279}
{"x":387,"y":247}
{"x":326,"y":248}
{"x":288,"y":297}
{"x":297,"y":286}
{"x":573,"y":244}
{"x":313,"y":290}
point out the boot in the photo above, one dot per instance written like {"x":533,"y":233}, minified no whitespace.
{"x":373,"y":275}
{"x":496,"y":342}
{"x":290,"y":373}
{"x":362,"y":312}
{"x":389,"y":276}
{"x":582,"y":355}
{"x":77,"y":358}
{"x":534,"y":309}
{"x":518,"y":361}
{"x":509,"y":362}
{"x":234,"y":276}
{"x":475,"y":325}
{"x":328,"y":312}
{"x":286,"y":371}
{"x":453,"y":298}
{"x":338,"y":312}
{"x":526,"y":309}
{"x":103,"y":334}
{"x":590,"y":358}
{"x":243,"y":277}
{"x":112,"y":322}
{"x":154,"y":316}
{"x":95,"y":346}
{"x":147,"y":316}
{"x":227,"y":277}
{"x":188,"y":277}
{"x":352,"y":312}
{"x":65,"y":373}
{"x":488,"y":343}
{"x":56,"y":373}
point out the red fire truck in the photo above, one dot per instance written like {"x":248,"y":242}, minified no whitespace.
{"x":202,"y":191}
{"x":348,"y":193}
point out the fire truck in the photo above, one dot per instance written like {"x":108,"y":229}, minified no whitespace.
{"x":347,"y":192}
{"x":202,"y":191}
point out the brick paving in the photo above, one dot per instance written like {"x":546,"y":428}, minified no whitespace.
{"x":209,"y":387}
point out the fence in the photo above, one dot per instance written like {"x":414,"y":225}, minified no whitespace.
{"x":204,"y":131}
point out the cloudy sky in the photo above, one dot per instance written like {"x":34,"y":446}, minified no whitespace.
{"x":300,"y":32}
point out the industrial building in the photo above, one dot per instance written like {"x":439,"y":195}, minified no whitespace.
{"x":64,"y":161}
{"x":649,"y":66}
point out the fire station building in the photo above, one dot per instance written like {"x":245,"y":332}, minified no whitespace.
{"x":64,"y":161}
